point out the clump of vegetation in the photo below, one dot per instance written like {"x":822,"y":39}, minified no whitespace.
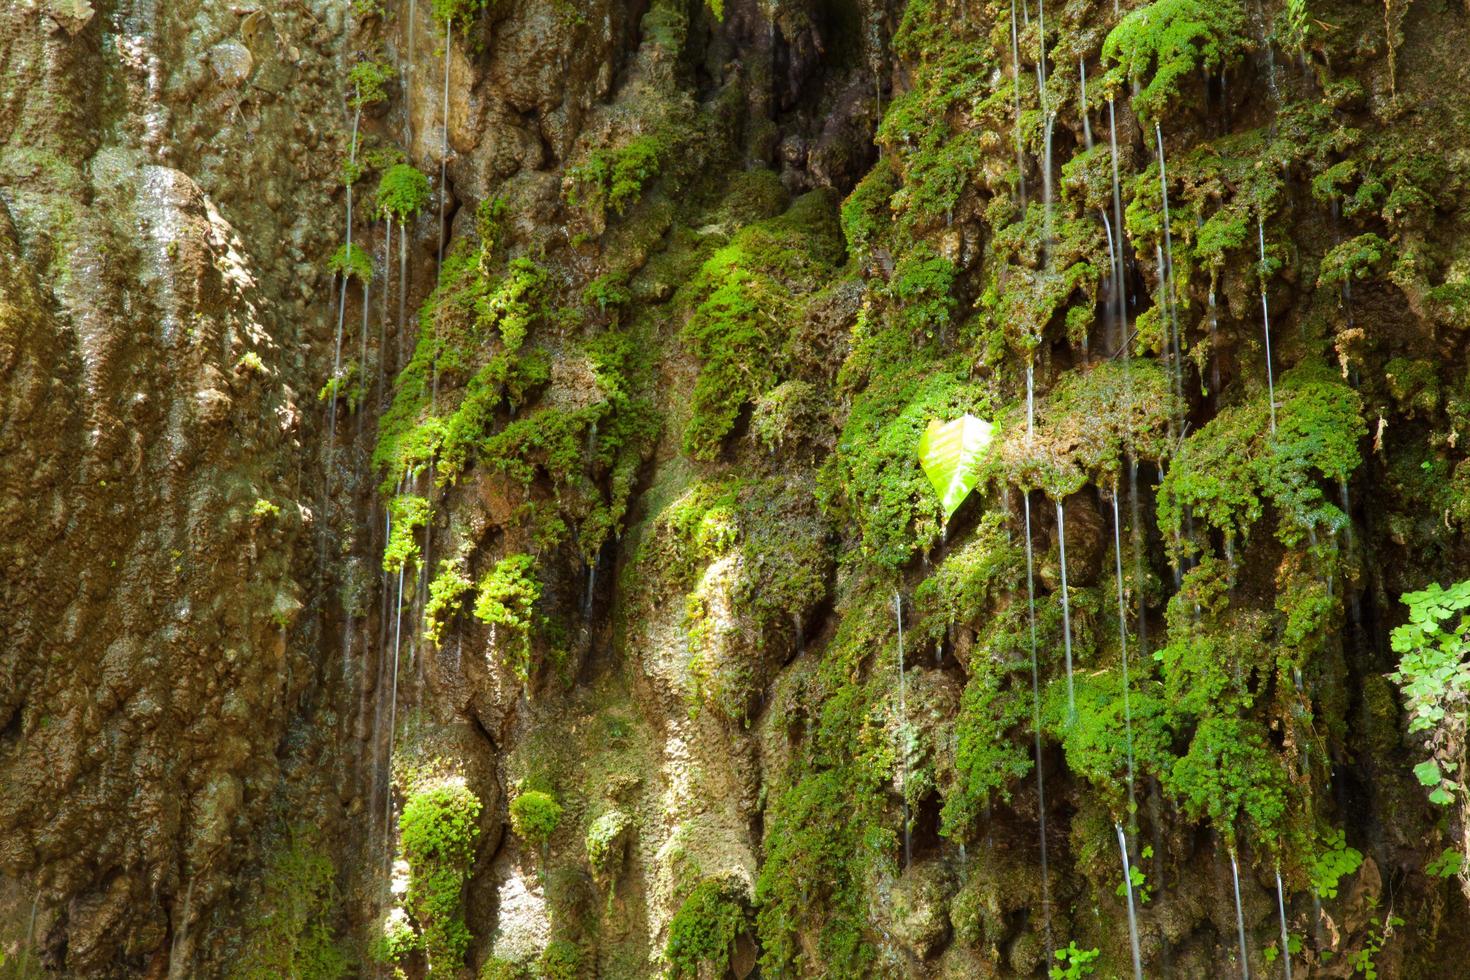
{"x":264,"y":508}
{"x":1074,"y":962}
{"x":292,"y":931}
{"x":1333,"y":861}
{"x":745,"y":300}
{"x":369,"y":81}
{"x":446,"y":598}
{"x":506,"y":597}
{"x":703,"y":931}
{"x":403,"y":191}
{"x":351,"y":261}
{"x":438,"y":831}
{"x":606,"y":840}
{"x":560,"y":960}
{"x":615,"y":177}
{"x":1434,"y":675}
{"x":534,"y":816}
{"x":1167,"y":41}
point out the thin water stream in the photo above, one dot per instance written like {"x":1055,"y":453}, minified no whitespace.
{"x":1132,"y":915}
{"x":1239,"y":917}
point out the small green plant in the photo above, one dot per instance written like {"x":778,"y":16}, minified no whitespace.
{"x":1362,"y":960}
{"x":250,"y":362}
{"x":605,"y":842}
{"x":438,"y":831}
{"x":534,"y":816}
{"x":265,"y":508}
{"x":352,"y":262}
{"x":1434,"y":676}
{"x":1448,"y":864}
{"x":291,"y":932}
{"x":403,"y":191}
{"x":506,"y":596}
{"x":1073,"y":963}
{"x":560,"y":960}
{"x":369,"y":82}
{"x":1136,"y":877}
{"x":703,"y":931}
{"x":1161,"y":44}
{"x":1333,"y":862}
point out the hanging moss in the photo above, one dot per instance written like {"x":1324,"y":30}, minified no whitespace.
{"x":506,"y":597}
{"x":291,"y":931}
{"x":703,"y":932}
{"x":403,"y":192}
{"x":1162,"y":44}
{"x":438,"y":830}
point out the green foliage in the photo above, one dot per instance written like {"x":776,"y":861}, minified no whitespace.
{"x":1137,"y":879}
{"x":1222,"y":472}
{"x":616,"y":177}
{"x":264,"y":508}
{"x":250,"y":361}
{"x":438,"y":830}
{"x":746,"y":299}
{"x":446,"y":598}
{"x":1228,"y":775}
{"x":1448,"y":864}
{"x":352,"y":261}
{"x":1162,"y":44}
{"x":408,"y":512}
{"x":506,"y":596}
{"x":369,"y":83}
{"x":1333,"y":861}
{"x":1355,"y":259}
{"x":291,"y":932}
{"x":560,"y":960}
{"x":1434,"y":675}
{"x":1074,"y":962}
{"x":462,"y":12}
{"x":403,"y":191}
{"x":949,"y":453}
{"x":605,"y":842}
{"x":534,"y":816}
{"x":703,"y":931}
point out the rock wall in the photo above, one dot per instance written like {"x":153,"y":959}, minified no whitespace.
{"x":461,"y":515}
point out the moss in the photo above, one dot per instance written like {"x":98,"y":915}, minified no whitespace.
{"x":403,"y":192}
{"x":408,"y":512}
{"x":1355,"y":259}
{"x":1165,"y":42}
{"x":1230,"y":775}
{"x":291,"y":931}
{"x":606,"y":840}
{"x":703,"y":932}
{"x":369,"y":82}
{"x":506,"y":596}
{"x":560,"y":960}
{"x":351,"y":261}
{"x":534,"y":816}
{"x":745,"y":299}
{"x":446,"y":598}
{"x":438,"y":832}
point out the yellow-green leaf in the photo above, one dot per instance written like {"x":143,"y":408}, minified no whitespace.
{"x":950,"y":454}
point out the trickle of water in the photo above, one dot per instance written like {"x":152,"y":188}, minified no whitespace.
{"x":1214,"y":347}
{"x":402,"y":295}
{"x":393,"y":712}
{"x":1132,"y":915}
{"x":1066,"y":611}
{"x":1167,"y":272}
{"x":1030,"y":400}
{"x":1086,"y":119}
{"x":383,"y":323}
{"x":444,"y":144}
{"x":1016,"y":75}
{"x":1113,"y":284}
{"x":903,"y":715}
{"x":1119,"y":276}
{"x":1123,"y":647}
{"x":1266,"y":325}
{"x":1036,"y":726}
{"x":1285,"y":936}
{"x":1239,"y":917}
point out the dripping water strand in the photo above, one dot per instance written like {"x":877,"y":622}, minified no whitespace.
{"x":1123,"y":648}
{"x":1239,"y":916}
{"x":1119,"y":275}
{"x":903,"y":746}
{"x":1166,"y":271}
{"x":1036,"y":725}
{"x":1266,"y":324}
{"x":1285,"y":936}
{"x":1086,"y":119}
{"x":1066,"y":611}
{"x":1132,"y":915}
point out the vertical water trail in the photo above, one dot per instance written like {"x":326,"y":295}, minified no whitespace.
{"x":408,"y":75}
{"x":1136,"y":528}
{"x":1132,"y":915}
{"x":1245,"y":972}
{"x":1066,"y":612}
{"x":1167,"y":272}
{"x":1036,"y":726}
{"x":903,"y":740}
{"x":403,"y":351}
{"x":362,"y":356}
{"x":1123,"y":647}
{"x":1113,"y":284}
{"x":1118,"y":223}
{"x":1214,"y":348}
{"x":180,"y":935}
{"x":1016,"y":75}
{"x":444,"y":144}
{"x":392,"y":717}
{"x":1266,"y":324}
{"x":1086,"y":119}
{"x":383,"y":323}
{"x":1285,"y":936}
{"x":25,"y":951}
{"x":1030,"y":399}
